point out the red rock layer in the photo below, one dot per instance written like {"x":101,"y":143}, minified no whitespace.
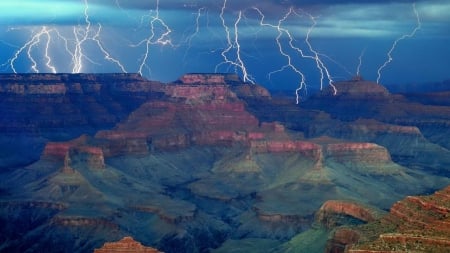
{"x":352,"y":209}
{"x":125,"y":245}
{"x":358,"y":152}
{"x":420,"y":224}
{"x":75,"y":149}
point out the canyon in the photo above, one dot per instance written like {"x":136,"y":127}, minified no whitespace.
{"x":208,"y":163}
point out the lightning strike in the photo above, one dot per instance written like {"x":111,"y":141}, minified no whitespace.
{"x":319,"y":63}
{"x":47,"y":56}
{"x":323,"y":70}
{"x":74,"y":47}
{"x":358,"y":69}
{"x":153,"y":39}
{"x":82,"y":35}
{"x":394,"y":45}
{"x":289,"y":64}
{"x":189,"y":39}
{"x":29,"y":46}
{"x":108,"y":57}
{"x":238,"y":64}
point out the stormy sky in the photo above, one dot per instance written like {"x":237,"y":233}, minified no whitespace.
{"x":274,"y":43}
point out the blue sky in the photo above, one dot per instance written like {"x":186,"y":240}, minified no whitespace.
{"x":263,"y":41}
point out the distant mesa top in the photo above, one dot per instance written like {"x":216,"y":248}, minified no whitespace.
{"x":210,"y":78}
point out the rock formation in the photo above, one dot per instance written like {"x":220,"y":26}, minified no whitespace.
{"x":347,"y":208}
{"x":414,"y":224}
{"x":125,"y":245}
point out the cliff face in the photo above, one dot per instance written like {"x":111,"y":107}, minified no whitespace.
{"x":63,"y":105}
{"x":36,"y":108}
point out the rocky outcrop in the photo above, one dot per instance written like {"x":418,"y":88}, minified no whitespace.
{"x":356,"y":88}
{"x":168,"y":215}
{"x":76,"y":150}
{"x":309,"y":149}
{"x":331,"y":208}
{"x":338,"y":215}
{"x":417,"y":224}
{"x":125,"y":245}
{"x":341,"y":239}
{"x":79,"y":221}
{"x":368,"y":153}
{"x":201,"y":78}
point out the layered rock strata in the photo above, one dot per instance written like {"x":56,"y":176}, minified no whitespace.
{"x":125,"y":245}
{"x":414,"y":224}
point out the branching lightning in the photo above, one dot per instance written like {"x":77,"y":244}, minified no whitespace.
{"x":238,"y":64}
{"x":153,"y":39}
{"x":82,"y":35}
{"x":394,"y":45}
{"x":74,"y":47}
{"x":323,"y":70}
{"x":108,"y":57}
{"x":320,"y":65}
{"x":289,"y":64}
{"x":28,"y":48}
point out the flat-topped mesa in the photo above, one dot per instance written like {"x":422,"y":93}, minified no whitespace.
{"x":361,"y":152}
{"x":209,"y":78}
{"x":125,"y":245}
{"x":194,"y":93}
{"x":357,"y":88}
{"x":235,"y":83}
{"x":202,"y":79}
{"x":74,"y":150}
{"x":201,"y":88}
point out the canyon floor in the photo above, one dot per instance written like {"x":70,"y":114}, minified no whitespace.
{"x":211,"y":164}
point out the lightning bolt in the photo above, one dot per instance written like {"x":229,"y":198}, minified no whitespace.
{"x":28,"y":48}
{"x":319,"y":63}
{"x":238,"y":64}
{"x":289,"y":64}
{"x":153,"y":39}
{"x":46,"y":36}
{"x":358,"y":75}
{"x":394,"y":45}
{"x":323,"y":70}
{"x":108,"y":57}
{"x":82,"y":35}
{"x":189,"y":39}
